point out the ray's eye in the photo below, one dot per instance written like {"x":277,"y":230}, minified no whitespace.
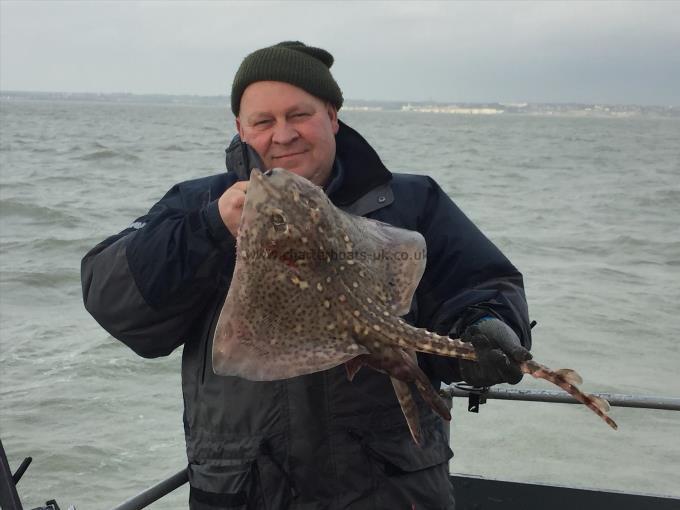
{"x":279,"y":222}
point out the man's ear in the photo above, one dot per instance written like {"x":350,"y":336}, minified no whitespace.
{"x":239,"y":129}
{"x":333,"y":115}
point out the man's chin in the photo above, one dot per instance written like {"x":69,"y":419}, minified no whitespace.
{"x":313,"y":175}
{"x":300,"y":170}
{"x":303,"y":170}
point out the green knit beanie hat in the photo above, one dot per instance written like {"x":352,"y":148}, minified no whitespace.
{"x":291,"y":62}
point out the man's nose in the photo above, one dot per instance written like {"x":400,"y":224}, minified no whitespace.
{"x":284,"y":133}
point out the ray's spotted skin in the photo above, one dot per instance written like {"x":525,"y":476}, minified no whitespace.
{"x":314,"y":287}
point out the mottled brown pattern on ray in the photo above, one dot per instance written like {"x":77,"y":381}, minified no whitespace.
{"x":314,"y":287}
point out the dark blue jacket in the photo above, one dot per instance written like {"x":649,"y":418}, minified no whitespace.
{"x":315,"y":441}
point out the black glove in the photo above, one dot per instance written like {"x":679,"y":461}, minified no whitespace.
{"x":499,"y":353}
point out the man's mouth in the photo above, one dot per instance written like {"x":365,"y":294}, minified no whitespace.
{"x":288,"y":155}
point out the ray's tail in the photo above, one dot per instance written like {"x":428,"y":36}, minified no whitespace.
{"x":565,"y":378}
{"x":425,"y":341}
{"x":569,"y":380}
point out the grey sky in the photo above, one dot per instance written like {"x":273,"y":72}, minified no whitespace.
{"x":607,"y":52}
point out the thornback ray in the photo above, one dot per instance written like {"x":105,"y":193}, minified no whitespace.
{"x":314,"y":287}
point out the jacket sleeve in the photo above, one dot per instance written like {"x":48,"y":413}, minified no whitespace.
{"x":466,"y":278}
{"x":148,"y":284}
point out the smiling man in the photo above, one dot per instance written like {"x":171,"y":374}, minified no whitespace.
{"x":316,"y":441}
{"x":289,"y":128}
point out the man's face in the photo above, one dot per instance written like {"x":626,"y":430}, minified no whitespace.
{"x":289,"y":128}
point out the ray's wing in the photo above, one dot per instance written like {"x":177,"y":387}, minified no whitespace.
{"x":393,"y":259}
{"x":239,"y":350}
{"x":272,"y":327}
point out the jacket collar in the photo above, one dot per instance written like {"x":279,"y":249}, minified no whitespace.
{"x":361,"y":170}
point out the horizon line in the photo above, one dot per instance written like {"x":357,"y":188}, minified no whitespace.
{"x":226,"y":97}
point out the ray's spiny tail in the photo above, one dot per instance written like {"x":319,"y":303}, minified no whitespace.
{"x":568,"y":380}
{"x":565,"y":378}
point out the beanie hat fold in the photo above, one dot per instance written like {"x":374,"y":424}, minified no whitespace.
{"x":291,"y":62}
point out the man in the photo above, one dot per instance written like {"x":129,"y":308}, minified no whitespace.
{"x":315,"y":441}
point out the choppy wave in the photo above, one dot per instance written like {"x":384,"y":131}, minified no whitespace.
{"x":40,"y":214}
{"x":173,"y":148}
{"x":663,"y":198}
{"x":40,"y":280}
{"x":104,"y":154}
{"x":48,"y":244}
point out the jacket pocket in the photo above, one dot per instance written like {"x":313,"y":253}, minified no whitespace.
{"x":409,"y":476}
{"x":401,"y":455}
{"x":238,"y":485}
{"x":221,"y":476}
{"x":203,"y":500}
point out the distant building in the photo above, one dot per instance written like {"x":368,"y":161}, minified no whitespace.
{"x":453,"y":109}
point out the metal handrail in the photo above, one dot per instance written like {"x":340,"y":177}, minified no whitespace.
{"x":529,"y":395}
{"x":155,"y":492}
{"x":9,"y":498}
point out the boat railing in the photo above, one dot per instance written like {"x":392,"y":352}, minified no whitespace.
{"x":478,"y":396}
{"x":473,"y":491}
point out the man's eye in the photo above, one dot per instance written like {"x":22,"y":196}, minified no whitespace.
{"x":261,"y":122}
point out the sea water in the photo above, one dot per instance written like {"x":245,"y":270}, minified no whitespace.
{"x":587,"y":208}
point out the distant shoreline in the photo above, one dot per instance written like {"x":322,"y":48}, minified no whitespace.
{"x":450,"y":108}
